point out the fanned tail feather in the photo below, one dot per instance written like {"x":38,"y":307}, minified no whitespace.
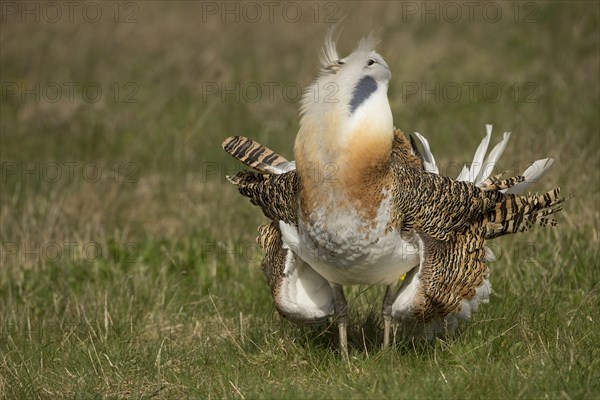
{"x":492,"y":158}
{"x":471,"y":174}
{"x":257,"y":156}
{"x":519,"y":213}
{"x":479,"y":171}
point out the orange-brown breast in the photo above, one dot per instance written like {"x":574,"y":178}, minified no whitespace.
{"x":355,"y":175}
{"x":367,"y":169}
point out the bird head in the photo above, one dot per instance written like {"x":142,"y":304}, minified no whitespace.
{"x":362,"y":63}
{"x":347,"y":104}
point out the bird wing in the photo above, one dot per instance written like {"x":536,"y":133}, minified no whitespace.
{"x":272,"y":186}
{"x":300,"y":294}
{"x":449,"y":283}
{"x":450,"y":221}
{"x":276,"y":195}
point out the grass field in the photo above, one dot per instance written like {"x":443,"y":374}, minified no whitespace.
{"x":128,"y":264}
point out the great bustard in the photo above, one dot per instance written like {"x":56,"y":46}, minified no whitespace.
{"x":360,"y":205}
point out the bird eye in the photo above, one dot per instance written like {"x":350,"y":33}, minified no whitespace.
{"x":340,"y":62}
{"x":370,"y":62}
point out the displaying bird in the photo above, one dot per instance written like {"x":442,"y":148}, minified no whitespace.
{"x":361,"y":205}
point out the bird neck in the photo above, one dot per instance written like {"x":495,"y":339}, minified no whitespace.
{"x":340,"y":156}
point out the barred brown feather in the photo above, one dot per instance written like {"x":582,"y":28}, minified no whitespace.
{"x":273,"y":263}
{"x":255,"y":155}
{"x":276,"y":195}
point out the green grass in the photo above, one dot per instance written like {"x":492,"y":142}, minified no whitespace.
{"x":145,"y":283}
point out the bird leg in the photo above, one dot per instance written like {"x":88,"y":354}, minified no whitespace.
{"x":388,"y":300}
{"x":340,"y":314}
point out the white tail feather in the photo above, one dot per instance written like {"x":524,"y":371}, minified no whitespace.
{"x":532,"y":175}
{"x":464,"y":174}
{"x":428,"y":159}
{"x":480,"y":171}
{"x":492,"y":159}
{"x":479,"y":156}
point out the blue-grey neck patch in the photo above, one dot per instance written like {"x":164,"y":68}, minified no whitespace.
{"x":365,"y":88}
